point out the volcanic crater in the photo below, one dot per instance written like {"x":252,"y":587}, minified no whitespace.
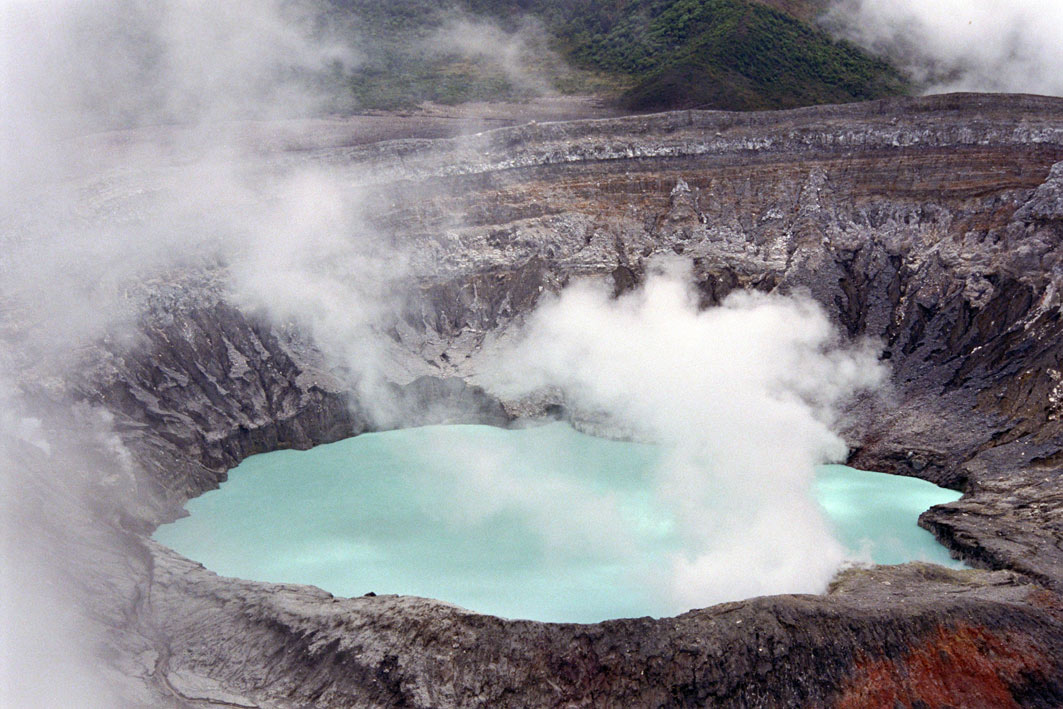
{"x":931,"y":224}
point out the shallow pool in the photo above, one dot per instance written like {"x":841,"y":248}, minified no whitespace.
{"x":544,"y":522}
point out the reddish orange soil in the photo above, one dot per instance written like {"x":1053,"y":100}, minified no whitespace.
{"x":957,"y":666}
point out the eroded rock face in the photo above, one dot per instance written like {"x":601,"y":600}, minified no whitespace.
{"x":932,"y":225}
{"x":984,"y":635}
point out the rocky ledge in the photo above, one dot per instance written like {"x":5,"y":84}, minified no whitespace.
{"x":933,"y":225}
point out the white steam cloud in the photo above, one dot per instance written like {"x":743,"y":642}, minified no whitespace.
{"x":125,"y":166}
{"x":91,"y":213}
{"x":69,"y":66}
{"x":962,"y":45}
{"x":309,"y":259}
{"x":744,"y":399}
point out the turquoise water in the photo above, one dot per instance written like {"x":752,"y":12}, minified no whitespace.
{"x":543,"y":523}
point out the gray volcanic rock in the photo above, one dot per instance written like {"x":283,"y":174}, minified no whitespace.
{"x":986,"y":635}
{"x":931,"y":225}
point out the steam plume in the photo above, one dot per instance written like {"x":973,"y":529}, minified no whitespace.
{"x":742,"y":396}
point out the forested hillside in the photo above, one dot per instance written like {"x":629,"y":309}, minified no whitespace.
{"x":642,"y":54}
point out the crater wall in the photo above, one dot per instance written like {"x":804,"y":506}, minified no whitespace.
{"x":932,"y":225}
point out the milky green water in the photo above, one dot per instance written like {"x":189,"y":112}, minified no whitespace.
{"x":544,"y":523}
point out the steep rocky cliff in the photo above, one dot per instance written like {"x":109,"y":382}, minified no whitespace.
{"x":932,"y":225}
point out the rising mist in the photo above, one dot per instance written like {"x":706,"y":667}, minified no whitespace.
{"x":743,"y":398}
{"x":961,"y":45}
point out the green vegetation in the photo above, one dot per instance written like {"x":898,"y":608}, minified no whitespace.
{"x":645,"y":54}
{"x":732,"y":54}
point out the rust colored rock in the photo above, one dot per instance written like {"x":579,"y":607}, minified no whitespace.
{"x":958,"y":666}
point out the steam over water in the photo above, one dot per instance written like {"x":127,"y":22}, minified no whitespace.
{"x":543,"y":523}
